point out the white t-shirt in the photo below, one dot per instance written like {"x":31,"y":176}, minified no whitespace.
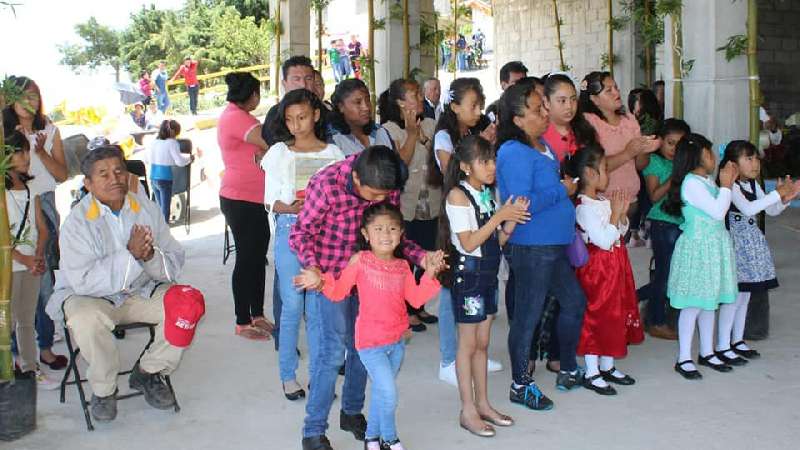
{"x":42,"y":180}
{"x":462,"y":218}
{"x":15,"y":203}
{"x":442,"y":143}
{"x":280,"y":165}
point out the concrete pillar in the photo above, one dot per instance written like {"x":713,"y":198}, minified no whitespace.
{"x":296,"y":30}
{"x":715,"y":91}
{"x":389,"y":43}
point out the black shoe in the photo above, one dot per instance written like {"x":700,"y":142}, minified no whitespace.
{"x":317,"y":443}
{"x":531,"y":397}
{"x":735,"y":361}
{"x":355,"y":423}
{"x":418,"y":328}
{"x":566,"y":381}
{"x":688,"y":374}
{"x":155,"y":389}
{"x":341,"y":370}
{"x":428,"y":318}
{"x":608,"y":390}
{"x":706,"y":361}
{"x":295,"y":395}
{"x":749,"y":354}
{"x":608,"y":376}
{"x":104,"y":409}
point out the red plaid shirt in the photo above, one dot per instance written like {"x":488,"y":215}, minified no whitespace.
{"x":327,"y":226}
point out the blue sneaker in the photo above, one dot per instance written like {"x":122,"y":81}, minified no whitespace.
{"x":566,"y":381}
{"x":531,"y":397}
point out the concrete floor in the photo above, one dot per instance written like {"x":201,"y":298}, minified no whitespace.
{"x":231,"y":395}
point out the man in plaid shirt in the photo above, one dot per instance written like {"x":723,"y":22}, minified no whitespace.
{"x":324,"y":238}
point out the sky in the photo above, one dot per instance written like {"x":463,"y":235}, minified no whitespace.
{"x":30,"y":39}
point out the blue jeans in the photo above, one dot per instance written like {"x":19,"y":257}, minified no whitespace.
{"x":45,"y":329}
{"x":541,"y":271}
{"x":336,"y":331}
{"x":162,"y":99}
{"x":663,"y":236}
{"x":382,"y":364}
{"x":292,"y":301}
{"x":162,"y":190}
{"x":448,"y":338}
{"x":193,"y":91}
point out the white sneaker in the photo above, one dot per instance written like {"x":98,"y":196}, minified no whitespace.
{"x":493,"y":366}
{"x":45,"y":382}
{"x":57,"y":336}
{"x":448,"y":374}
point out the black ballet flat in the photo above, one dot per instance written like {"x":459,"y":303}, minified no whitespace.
{"x":706,"y":361}
{"x":296,"y":395}
{"x":608,"y":390}
{"x":608,"y":375}
{"x":688,"y":374}
{"x":735,"y":361}
{"x":749,"y":354}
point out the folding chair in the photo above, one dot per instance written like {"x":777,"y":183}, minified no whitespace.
{"x":78,"y":381}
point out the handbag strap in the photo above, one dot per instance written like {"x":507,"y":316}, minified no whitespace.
{"x":24,"y":215}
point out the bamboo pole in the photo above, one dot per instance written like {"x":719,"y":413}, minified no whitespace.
{"x":6,"y":359}
{"x":436,"y":45}
{"x":319,"y":38}
{"x":371,"y":58}
{"x":611,"y":38}
{"x":677,"y":69}
{"x":648,"y":48}
{"x":278,"y":32}
{"x":455,"y":36}
{"x":406,"y":42}
{"x":558,"y":36}
{"x":752,"y":69}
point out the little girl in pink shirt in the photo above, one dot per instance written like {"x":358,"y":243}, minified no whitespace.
{"x":384,"y":282}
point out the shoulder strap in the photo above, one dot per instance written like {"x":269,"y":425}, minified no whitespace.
{"x":472,"y":201}
{"x":24,"y":215}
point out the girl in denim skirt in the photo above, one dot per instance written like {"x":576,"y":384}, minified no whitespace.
{"x":476,"y":229}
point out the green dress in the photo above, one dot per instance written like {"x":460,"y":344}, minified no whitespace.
{"x":703,"y":270}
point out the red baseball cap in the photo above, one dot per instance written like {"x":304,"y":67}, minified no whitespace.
{"x":183,"y":308}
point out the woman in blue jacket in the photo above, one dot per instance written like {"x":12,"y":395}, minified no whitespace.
{"x":527,"y":167}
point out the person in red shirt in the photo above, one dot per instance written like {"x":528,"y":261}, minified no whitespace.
{"x":189,"y":73}
{"x":146,"y":87}
{"x":384,"y":282}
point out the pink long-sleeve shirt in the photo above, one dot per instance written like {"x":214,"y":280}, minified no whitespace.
{"x":383,"y":288}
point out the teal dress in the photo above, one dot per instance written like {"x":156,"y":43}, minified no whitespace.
{"x":703,"y":270}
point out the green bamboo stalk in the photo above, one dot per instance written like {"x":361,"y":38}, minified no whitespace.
{"x":319,"y":38}
{"x":648,"y":48}
{"x":610,"y":38}
{"x":406,"y":42}
{"x":677,"y":69}
{"x":278,"y":32}
{"x":558,"y":36}
{"x":371,"y":58}
{"x":6,"y":359}
{"x":455,"y":36}
{"x":752,"y":69}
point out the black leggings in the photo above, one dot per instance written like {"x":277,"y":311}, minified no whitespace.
{"x":248,"y":222}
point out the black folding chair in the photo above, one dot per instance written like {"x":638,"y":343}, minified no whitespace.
{"x":78,"y":381}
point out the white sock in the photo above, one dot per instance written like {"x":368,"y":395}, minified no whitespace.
{"x":686,"y":321}
{"x":607,"y":363}
{"x":727,"y":313}
{"x":592,"y":369}
{"x":741,"y":316}
{"x":705,"y":323}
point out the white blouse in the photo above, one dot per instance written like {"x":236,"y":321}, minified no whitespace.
{"x":770,"y":203}
{"x":442,"y":143}
{"x":280,"y":167}
{"x":594,"y":217}
{"x":695,"y":192}
{"x":43,"y":181}
{"x":15,"y":204}
{"x":462,"y":218}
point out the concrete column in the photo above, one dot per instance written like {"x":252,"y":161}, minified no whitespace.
{"x":389,"y":43}
{"x":715,"y":91}
{"x":296,"y":30}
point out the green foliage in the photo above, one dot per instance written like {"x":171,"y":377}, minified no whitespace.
{"x":379,"y":24}
{"x":668,"y":7}
{"x":429,"y":35}
{"x":396,"y":12}
{"x":101,"y":46}
{"x":618,"y":23}
{"x":218,"y":33}
{"x":686,"y":67}
{"x":565,"y":67}
{"x":736,"y":46}
{"x":604,"y":61}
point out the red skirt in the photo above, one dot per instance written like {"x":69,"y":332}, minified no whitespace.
{"x":611,"y":321}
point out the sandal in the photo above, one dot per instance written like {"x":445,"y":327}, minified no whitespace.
{"x":486,"y":431}
{"x":262,"y":323}
{"x":251,"y":332}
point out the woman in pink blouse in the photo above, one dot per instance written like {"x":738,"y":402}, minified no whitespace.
{"x":617,"y":132}
{"x":241,"y":199}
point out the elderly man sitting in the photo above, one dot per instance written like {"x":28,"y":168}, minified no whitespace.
{"x":118,"y":259}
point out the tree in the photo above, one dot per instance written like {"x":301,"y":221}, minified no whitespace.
{"x":144,"y":41}
{"x":257,"y":9}
{"x":237,"y":41}
{"x":101,"y":46}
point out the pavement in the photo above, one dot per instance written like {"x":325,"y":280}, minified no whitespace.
{"x":231,"y":396}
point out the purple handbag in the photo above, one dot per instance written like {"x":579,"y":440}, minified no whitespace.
{"x":577,"y":252}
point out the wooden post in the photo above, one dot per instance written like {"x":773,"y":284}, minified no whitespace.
{"x":558,"y":36}
{"x":455,"y":37}
{"x":371,"y":56}
{"x":278,"y":32}
{"x":752,"y":69}
{"x":648,"y":48}
{"x":611,"y":38}
{"x":6,"y":359}
{"x":677,"y":66}
{"x":319,"y":38}
{"x":406,"y":42}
